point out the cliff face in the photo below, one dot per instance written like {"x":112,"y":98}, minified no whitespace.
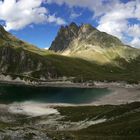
{"x":65,"y":36}
{"x":26,"y":63}
{"x":19,"y":57}
{"x":17,"y":60}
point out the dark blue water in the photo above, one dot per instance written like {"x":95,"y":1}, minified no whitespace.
{"x":10,"y":94}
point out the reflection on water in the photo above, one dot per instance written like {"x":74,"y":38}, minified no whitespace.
{"x":10,"y":94}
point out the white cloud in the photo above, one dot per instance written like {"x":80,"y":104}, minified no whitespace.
{"x":113,"y":27}
{"x":18,"y":14}
{"x":74,"y":15}
{"x":46,"y":48}
{"x":134,"y":30}
{"x":136,"y":42}
{"x":116,"y":21}
{"x":58,"y":20}
{"x":94,"y":5}
{"x":113,"y":16}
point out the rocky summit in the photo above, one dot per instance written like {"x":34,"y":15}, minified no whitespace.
{"x":88,"y":43}
{"x":73,"y":35}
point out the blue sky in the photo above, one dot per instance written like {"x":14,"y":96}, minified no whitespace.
{"x":38,"y":21}
{"x":42,"y":35}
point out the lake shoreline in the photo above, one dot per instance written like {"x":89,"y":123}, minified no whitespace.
{"x":68,"y":84}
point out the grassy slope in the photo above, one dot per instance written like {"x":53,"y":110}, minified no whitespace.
{"x":125,"y":124}
{"x":82,"y":70}
{"x":85,"y":70}
{"x":103,"y":55}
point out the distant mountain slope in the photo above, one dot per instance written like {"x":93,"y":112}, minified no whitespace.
{"x":8,"y":40}
{"x":20,"y":59}
{"x":87,"y":42}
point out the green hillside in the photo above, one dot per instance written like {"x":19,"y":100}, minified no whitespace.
{"x":20,"y":59}
{"x":123,"y":122}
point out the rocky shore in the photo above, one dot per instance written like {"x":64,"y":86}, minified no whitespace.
{"x":94,"y":84}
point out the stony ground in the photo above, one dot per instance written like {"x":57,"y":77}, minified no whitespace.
{"x":107,"y":122}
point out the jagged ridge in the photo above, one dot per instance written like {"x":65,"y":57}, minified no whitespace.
{"x":85,"y":32}
{"x":87,"y":42}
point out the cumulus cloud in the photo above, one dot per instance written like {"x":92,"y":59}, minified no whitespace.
{"x":113,"y":16}
{"x":19,"y":13}
{"x":74,"y":15}
{"x":58,"y":20}
{"x":135,"y":42}
{"x":117,"y":21}
{"x":94,"y":5}
{"x":134,"y":30}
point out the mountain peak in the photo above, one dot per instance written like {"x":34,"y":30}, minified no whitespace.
{"x":73,"y":24}
{"x":65,"y":35}
{"x":87,"y":28}
{"x":76,"y":37}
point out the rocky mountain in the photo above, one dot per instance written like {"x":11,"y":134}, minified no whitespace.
{"x":87,"y":42}
{"x":84,"y":46}
{"x":85,"y":33}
